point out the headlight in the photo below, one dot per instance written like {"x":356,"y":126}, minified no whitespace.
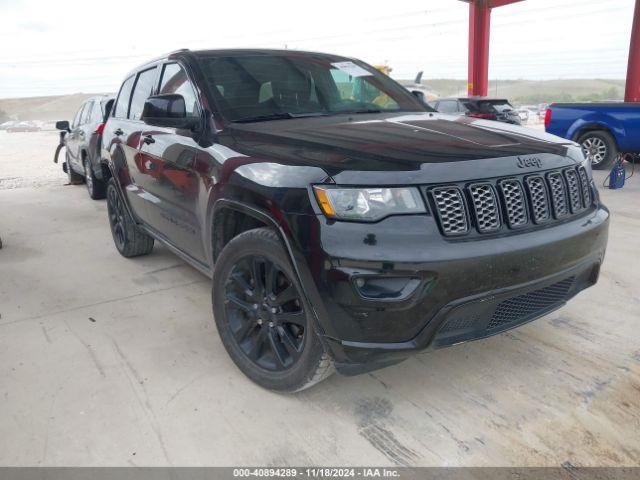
{"x":368,"y":204}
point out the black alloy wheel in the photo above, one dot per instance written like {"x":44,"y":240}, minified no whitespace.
{"x":263,"y":317}
{"x":129,"y":239}
{"x":116,"y":212}
{"x":265,"y":313}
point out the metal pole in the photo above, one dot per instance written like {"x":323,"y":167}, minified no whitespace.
{"x":479,"y":29}
{"x":479,"y":26}
{"x":632,"y":89}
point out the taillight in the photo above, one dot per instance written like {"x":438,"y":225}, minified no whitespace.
{"x":100,"y":129}
{"x":487,"y":116}
{"x":547,"y":118}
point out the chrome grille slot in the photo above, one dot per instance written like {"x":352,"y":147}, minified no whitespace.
{"x":584,"y":184}
{"x":558,"y":194}
{"x":451,"y":210}
{"x":575,"y":200}
{"x":485,"y":207}
{"x":538,"y":198}
{"x":514,"y":202}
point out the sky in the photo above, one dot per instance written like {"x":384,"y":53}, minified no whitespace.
{"x":73,"y":46}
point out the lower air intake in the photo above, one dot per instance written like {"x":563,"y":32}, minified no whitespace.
{"x":517,"y":309}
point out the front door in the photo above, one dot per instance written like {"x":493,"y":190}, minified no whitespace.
{"x":167,"y":158}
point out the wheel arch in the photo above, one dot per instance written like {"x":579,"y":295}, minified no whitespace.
{"x":221,"y":212}
{"x":581,"y":128}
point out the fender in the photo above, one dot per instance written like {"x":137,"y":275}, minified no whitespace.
{"x":297,"y":262}
{"x":125,"y":201}
{"x":597,"y":121}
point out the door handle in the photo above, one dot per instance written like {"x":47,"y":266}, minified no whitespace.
{"x":118,"y":132}
{"x":148,"y":139}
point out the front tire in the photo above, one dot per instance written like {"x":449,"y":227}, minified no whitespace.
{"x":599,"y":147}
{"x":95,"y":187}
{"x":263,"y":319}
{"x":128,"y":238}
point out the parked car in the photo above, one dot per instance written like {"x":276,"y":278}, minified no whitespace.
{"x":478,"y":107}
{"x":342,"y":232}
{"x":523,"y":113}
{"x":23,"y":127}
{"x":83,"y":142}
{"x":602,"y":129}
{"x":7,"y":124}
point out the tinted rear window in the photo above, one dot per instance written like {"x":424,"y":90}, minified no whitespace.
{"x":122,"y":105}
{"x":494,"y":106}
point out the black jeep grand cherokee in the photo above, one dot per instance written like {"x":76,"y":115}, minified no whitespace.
{"x":342,"y":222}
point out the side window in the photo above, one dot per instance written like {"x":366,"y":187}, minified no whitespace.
{"x":122,"y":104}
{"x":86,"y":115}
{"x":142,"y":91}
{"x":76,"y":119}
{"x":174,"y":80}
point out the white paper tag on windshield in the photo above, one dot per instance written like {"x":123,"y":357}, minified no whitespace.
{"x":352,"y":69}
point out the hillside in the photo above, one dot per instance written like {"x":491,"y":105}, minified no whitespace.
{"x":519,"y":92}
{"x":60,"y":107}
{"x":533,"y":92}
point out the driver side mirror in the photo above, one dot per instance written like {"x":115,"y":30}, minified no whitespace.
{"x":168,"y":111}
{"x":63,"y":125}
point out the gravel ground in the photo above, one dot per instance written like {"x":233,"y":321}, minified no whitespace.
{"x":26,"y":160}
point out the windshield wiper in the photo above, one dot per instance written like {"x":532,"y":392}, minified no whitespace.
{"x":279,"y":116}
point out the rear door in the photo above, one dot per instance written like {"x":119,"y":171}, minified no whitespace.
{"x":167,"y":156}
{"x":84,"y":131}
{"x":124,"y":137}
{"x":73,"y":139}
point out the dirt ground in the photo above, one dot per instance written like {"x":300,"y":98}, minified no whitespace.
{"x":109,"y":361}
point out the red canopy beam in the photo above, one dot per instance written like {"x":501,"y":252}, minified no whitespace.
{"x":479,"y":28}
{"x":632,"y":89}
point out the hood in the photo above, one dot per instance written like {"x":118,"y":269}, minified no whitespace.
{"x":400,"y":148}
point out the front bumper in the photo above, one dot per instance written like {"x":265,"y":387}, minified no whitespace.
{"x":454,"y":291}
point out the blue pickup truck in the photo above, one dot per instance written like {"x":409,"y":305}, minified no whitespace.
{"x":603,"y":129}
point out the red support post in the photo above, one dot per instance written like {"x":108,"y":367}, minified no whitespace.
{"x":632,"y":88}
{"x":479,"y":28}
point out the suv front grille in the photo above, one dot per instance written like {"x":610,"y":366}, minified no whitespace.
{"x":584,"y":184}
{"x":574,"y":189}
{"x":512,"y":202}
{"x":485,"y":207}
{"x":558,"y":194}
{"x":539,"y":199}
{"x":451,"y":210}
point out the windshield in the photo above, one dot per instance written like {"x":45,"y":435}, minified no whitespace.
{"x":270,"y":86}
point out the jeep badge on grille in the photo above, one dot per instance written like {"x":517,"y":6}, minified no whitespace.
{"x":525,"y":162}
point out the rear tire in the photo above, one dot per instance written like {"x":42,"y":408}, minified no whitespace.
{"x":600,"y":147}
{"x":266,"y":324}
{"x":95,"y":187}
{"x":129,"y":239}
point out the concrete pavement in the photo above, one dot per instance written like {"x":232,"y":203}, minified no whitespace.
{"x":109,"y":361}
